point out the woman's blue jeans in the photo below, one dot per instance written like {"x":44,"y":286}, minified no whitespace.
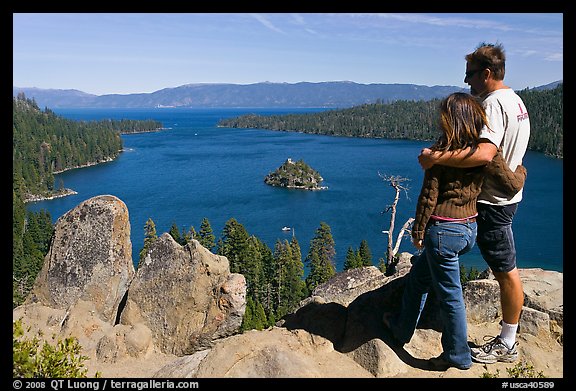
{"x":438,"y":268}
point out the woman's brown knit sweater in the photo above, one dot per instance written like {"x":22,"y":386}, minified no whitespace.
{"x":452,"y":192}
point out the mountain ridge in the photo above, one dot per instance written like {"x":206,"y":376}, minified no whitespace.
{"x":336,"y":94}
{"x":331,"y":94}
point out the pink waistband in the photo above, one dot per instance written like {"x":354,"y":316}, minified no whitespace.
{"x":442,"y":218}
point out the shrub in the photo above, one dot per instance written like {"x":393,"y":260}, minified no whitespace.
{"x":524,"y":370}
{"x":62,"y":360}
{"x":521,"y":370}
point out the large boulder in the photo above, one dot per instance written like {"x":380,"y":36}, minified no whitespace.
{"x":186,"y":296}
{"x":272,"y":353}
{"x":90,"y":259}
{"x":544,"y":291}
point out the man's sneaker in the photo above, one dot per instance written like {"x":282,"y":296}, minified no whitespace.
{"x":495,"y":350}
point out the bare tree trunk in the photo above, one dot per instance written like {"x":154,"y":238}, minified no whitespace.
{"x":396,"y":183}
{"x":405,"y":227}
{"x":390,"y":252}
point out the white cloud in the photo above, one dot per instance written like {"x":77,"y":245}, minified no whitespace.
{"x":554,"y":57}
{"x":262,"y":19}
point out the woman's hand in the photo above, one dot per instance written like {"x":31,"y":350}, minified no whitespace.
{"x":418,"y":243}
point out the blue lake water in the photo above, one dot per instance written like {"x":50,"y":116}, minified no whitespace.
{"x":194,"y":170}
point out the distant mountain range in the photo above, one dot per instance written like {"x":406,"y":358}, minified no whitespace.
{"x":548,"y":86}
{"x":324,"y":94}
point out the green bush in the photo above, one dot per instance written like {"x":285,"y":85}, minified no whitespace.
{"x":62,"y":360}
{"x":522,"y":369}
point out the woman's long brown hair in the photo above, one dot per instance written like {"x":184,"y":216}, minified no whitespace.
{"x":461,"y":119}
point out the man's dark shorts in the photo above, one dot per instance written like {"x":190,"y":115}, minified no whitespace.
{"x":495,"y":238}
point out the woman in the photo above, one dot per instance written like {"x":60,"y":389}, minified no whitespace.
{"x":445,"y":228}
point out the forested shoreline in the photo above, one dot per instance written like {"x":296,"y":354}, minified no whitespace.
{"x":412,"y":120}
{"x":43,"y":144}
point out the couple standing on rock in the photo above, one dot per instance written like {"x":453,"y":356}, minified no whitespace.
{"x":471,"y":189}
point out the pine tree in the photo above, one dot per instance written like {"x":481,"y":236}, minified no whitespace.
{"x":206,"y":236}
{"x":254,"y":316}
{"x":37,"y":237}
{"x":269,"y":296}
{"x":18,"y":223}
{"x":295,"y":272}
{"x":282,"y":255}
{"x":233,"y":244}
{"x":320,"y":257}
{"x":187,"y":236}
{"x":263,"y":290}
{"x":149,"y":237}
{"x":175,"y":233}
{"x":259,"y":317}
{"x":350,"y":260}
{"x":315,"y":276}
{"x":382,"y":265}
{"x":252,"y":268}
{"x":248,"y":319}
{"x":365,"y":254}
{"x":245,"y":256}
{"x":33,"y":243}
{"x":192,"y":234}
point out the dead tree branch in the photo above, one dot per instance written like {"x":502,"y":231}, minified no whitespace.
{"x":397,"y":183}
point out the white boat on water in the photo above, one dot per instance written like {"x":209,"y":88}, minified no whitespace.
{"x":286,"y":229}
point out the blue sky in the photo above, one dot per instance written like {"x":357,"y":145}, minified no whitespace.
{"x":127,"y":53}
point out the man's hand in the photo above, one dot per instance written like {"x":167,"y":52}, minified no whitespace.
{"x":460,"y":157}
{"x":426,"y":158}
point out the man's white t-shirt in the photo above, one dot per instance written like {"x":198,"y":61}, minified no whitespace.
{"x":507,"y":120}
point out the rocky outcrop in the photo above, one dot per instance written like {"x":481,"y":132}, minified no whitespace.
{"x":180,"y":299}
{"x":186,"y":296}
{"x":179,"y":315}
{"x":543,"y":291}
{"x":273,"y":353}
{"x":340,"y":324}
{"x":90,"y":259}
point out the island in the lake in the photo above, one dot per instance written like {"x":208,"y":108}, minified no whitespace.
{"x":295,"y":175}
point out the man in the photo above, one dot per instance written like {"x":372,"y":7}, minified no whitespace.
{"x":509,"y":129}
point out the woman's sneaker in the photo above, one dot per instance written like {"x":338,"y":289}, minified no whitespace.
{"x":441,"y":364}
{"x":495,"y":350}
